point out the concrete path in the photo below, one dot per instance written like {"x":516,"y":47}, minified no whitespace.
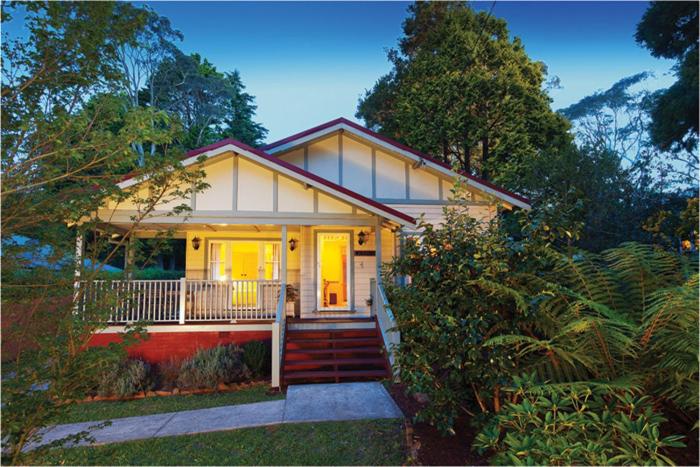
{"x":304,"y":403}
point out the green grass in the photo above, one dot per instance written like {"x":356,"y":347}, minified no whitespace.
{"x":366,"y":442}
{"x":105,"y":410}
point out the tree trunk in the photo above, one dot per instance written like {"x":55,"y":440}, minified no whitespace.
{"x":484,"y":157}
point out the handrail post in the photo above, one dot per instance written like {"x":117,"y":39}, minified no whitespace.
{"x":183,"y":299}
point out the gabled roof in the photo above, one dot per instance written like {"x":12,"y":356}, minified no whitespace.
{"x":347,"y":125}
{"x":290,"y":170}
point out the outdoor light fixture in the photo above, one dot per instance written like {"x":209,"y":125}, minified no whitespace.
{"x":196,"y":241}
{"x":361,"y":237}
{"x":292,"y":244}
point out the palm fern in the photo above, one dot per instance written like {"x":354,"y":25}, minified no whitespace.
{"x":630,"y":312}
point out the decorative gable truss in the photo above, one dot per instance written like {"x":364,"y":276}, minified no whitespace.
{"x":248,"y":186}
{"x":380,"y":168}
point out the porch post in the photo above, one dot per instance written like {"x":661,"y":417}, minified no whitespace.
{"x":378,"y":248}
{"x":283,"y":256}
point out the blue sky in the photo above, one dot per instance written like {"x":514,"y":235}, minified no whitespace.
{"x":307,"y":63}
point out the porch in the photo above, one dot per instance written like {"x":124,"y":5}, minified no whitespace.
{"x":244,"y":281}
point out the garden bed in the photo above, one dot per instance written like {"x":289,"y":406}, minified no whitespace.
{"x":429,"y":446}
{"x":111,"y":409}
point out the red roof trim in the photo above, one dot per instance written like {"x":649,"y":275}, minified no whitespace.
{"x":393,"y":143}
{"x":302,"y":172}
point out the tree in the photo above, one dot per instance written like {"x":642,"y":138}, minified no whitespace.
{"x":462,"y":90}
{"x":211,"y":105}
{"x":139,"y":60}
{"x":619,"y":120}
{"x":670,"y":30}
{"x":67,"y":141}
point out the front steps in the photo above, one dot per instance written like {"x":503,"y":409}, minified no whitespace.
{"x":333,"y":350}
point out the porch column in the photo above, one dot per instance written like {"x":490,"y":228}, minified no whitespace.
{"x":378,"y":248}
{"x":283,"y":256}
{"x":129,"y":253}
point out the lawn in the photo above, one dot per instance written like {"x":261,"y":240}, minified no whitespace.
{"x":105,"y":410}
{"x":366,"y":442}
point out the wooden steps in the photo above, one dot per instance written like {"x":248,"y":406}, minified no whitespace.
{"x":332,"y":354}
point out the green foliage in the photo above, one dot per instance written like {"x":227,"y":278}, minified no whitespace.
{"x":670,"y":30}
{"x":257,"y":356}
{"x":481,"y":307}
{"x":463,"y":90}
{"x":210,"y":104}
{"x":125,"y":378}
{"x":576,"y":425}
{"x":459,"y":296}
{"x":209,"y":367}
{"x":68,"y":139}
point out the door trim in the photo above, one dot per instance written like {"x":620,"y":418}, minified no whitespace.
{"x":351,"y":272}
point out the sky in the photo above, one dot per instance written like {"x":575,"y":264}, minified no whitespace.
{"x":309,"y":62}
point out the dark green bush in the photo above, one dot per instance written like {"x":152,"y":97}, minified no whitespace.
{"x":257,"y":356}
{"x":209,"y":367}
{"x":125,"y":378}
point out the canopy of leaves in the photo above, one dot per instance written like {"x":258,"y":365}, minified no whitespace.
{"x":463,"y":90}
{"x":670,"y":30}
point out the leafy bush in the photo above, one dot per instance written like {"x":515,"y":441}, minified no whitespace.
{"x":578,"y":425}
{"x":257,"y":356}
{"x":167,"y":373}
{"x":483,"y":306}
{"x":209,"y":367}
{"x":125,"y":378}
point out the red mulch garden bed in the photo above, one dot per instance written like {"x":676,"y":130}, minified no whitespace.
{"x":434,"y":448}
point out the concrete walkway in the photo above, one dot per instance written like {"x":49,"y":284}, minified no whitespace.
{"x":304,"y":403}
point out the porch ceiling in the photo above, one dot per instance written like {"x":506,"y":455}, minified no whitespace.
{"x":180,"y":230}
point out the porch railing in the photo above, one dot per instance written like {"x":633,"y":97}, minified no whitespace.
{"x":181,"y":301}
{"x":385,"y":319}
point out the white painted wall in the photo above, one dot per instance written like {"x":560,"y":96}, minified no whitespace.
{"x":391,"y":176}
{"x":219,"y":196}
{"x":295,"y":157}
{"x":323,"y":158}
{"x":254,"y":187}
{"x":357,"y":166}
{"x":293,"y":197}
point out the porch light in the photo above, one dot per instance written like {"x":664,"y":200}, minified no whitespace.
{"x":361,"y":237}
{"x":292,"y":244}
{"x":196,"y":241}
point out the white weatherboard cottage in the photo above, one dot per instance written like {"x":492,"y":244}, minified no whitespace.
{"x":321,"y":211}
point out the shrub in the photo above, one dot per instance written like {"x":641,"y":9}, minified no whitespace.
{"x":125,"y":378}
{"x":257,"y":356}
{"x":209,"y":367}
{"x":168,"y":373}
{"x":578,"y":425}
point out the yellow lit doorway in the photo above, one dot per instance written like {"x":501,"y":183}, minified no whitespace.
{"x":333,"y":271}
{"x":245,"y":264}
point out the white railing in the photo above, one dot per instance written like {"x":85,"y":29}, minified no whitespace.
{"x":237,"y":300}
{"x":181,"y":301}
{"x":385,"y":319}
{"x":133,"y":300}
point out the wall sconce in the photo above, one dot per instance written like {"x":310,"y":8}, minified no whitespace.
{"x":361,"y":237}
{"x":292,"y":244}
{"x":196,"y":241}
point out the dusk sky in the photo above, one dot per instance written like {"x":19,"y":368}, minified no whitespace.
{"x":307,"y":63}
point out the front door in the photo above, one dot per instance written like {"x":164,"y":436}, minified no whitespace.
{"x":333,"y":271}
